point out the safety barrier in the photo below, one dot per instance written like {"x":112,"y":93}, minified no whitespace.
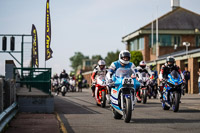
{"x":7,"y":115}
{"x":39,"y":78}
{"x":7,"y":93}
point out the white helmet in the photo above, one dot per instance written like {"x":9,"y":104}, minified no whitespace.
{"x":101,"y":63}
{"x":124,"y":53}
{"x":142,"y":64}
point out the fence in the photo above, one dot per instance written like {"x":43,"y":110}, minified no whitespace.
{"x":39,"y":78}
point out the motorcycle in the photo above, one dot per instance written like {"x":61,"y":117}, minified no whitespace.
{"x":144,"y":87}
{"x":153,"y":86}
{"x":122,"y":95}
{"x":172,"y":91}
{"x":55,"y":85}
{"x":64,"y":86}
{"x":72,"y":84}
{"x":100,"y":91}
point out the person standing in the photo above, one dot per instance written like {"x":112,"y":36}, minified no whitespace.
{"x":79,"y":79}
{"x":199,"y":80}
{"x":186,"y":74}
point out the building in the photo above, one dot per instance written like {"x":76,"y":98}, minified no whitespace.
{"x":176,"y":28}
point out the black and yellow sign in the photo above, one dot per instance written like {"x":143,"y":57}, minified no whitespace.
{"x":48,"y":51}
{"x":34,"y":46}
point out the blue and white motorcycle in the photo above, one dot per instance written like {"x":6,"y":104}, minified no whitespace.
{"x":172,"y":91}
{"x":122,"y":95}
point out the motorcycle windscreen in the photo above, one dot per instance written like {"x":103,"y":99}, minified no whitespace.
{"x":175,"y":74}
{"x":123,"y":72}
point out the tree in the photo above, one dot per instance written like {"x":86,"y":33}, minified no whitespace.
{"x":77,"y":59}
{"x":97,"y":57}
{"x":111,"y":57}
{"x":136,"y":57}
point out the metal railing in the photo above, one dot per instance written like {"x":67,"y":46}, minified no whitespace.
{"x":39,"y":78}
{"x":7,"y":115}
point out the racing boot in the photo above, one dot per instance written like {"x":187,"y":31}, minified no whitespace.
{"x":137,"y":96}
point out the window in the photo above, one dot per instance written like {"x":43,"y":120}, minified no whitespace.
{"x":137,"y":44}
{"x":163,"y":40}
{"x":176,"y":39}
{"x":141,"y":43}
{"x":133,"y":45}
{"x":88,"y":63}
{"x":197,"y":41}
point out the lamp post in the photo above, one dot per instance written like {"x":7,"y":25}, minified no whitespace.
{"x":186,"y":44}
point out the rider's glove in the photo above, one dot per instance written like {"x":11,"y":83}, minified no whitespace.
{"x":110,"y":81}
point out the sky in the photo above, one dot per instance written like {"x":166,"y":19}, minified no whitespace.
{"x":92,"y":27}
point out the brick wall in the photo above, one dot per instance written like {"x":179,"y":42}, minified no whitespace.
{"x":193,"y":68}
{"x":181,"y":64}
{"x":87,"y":76}
{"x":146,"y":55}
{"x":188,"y":38}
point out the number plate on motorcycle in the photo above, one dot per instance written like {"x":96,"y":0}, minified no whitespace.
{"x":127,"y":81}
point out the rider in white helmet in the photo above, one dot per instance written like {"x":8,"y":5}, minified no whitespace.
{"x":100,"y":69}
{"x":124,"y":61}
{"x":142,"y":68}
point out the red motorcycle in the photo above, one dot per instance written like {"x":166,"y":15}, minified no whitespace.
{"x":100,"y":91}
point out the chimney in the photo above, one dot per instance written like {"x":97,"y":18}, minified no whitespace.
{"x":175,"y":4}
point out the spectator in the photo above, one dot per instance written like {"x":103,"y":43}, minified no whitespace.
{"x":199,"y":80}
{"x":186,"y":74}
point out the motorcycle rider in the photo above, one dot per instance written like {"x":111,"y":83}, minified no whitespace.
{"x":72,"y":81}
{"x":151,"y":67}
{"x":124,"y":61}
{"x":166,"y":69}
{"x":154,"y":76}
{"x":79,"y":79}
{"x":54,"y":79}
{"x":142,"y":68}
{"x":64,"y":75}
{"x":98,"y":70}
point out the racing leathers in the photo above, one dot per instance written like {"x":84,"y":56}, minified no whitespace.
{"x":165,"y":70}
{"x":97,"y":72}
{"x":140,"y":71}
{"x":115,"y":65}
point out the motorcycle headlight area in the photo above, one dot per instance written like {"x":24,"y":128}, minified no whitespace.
{"x":172,"y":85}
{"x":127,"y":82}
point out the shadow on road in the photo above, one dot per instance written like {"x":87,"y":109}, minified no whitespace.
{"x":189,"y":111}
{"x":65,"y":106}
{"x":162,"y":121}
{"x":191,"y":98}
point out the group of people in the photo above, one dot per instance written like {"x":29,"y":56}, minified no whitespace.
{"x":63,"y":75}
{"x":124,"y":62}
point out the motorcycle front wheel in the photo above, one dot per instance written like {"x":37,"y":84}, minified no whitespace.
{"x":144,"y":97}
{"x":176,"y":101}
{"x":128,"y":110}
{"x":103,"y":100}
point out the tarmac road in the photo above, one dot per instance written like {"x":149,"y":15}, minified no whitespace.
{"x":80,"y":114}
